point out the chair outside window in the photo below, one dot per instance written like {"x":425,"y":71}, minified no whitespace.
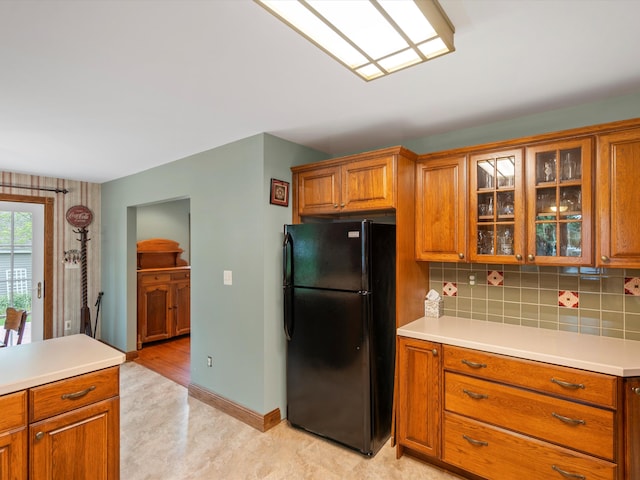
{"x":14,"y":322}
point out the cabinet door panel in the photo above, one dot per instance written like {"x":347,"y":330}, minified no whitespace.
{"x":496,"y":207}
{"x":82,"y":443}
{"x":618,"y":242}
{"x":182,"y":307}
{"x":419,"y":395}
{"x":368,"y":184}
{"x":13,"y":455}
{"x":155,"y":312}
{"x":441,"y":221}
{"x":559,"y":203}
{"x":319,"y":191}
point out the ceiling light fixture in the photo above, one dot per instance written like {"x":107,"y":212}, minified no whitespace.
{"x":370,"y":37}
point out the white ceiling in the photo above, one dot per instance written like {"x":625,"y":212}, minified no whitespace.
{"x":99,"y":89}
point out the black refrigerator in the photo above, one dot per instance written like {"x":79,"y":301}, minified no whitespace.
{"x":339,"y":320}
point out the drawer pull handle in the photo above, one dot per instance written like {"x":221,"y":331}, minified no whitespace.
{"x":566,"y":474}
{"x":570,"y":421}
{"x":573,"y":386}
{"x":477,"y":396}
{"x":474,"y":364}
{"x":81,"y":393}
{"x":473,"y":441}
{"x":39,"y":435}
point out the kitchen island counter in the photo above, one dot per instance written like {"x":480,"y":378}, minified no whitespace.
{"x":607,"y":355}
{"x":32,"y":364}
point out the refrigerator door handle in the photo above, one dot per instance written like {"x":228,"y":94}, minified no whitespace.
{"x":287,"y":247}
{"x":287,"y":271}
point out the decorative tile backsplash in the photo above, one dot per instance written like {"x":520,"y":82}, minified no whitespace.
{"x":596,"y":301}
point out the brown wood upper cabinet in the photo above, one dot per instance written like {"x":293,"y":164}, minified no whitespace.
{"x":559,"y":203}
{"x":356,"y":185}
{"x":441,"y":209}
{"x":534,"y":209}
{"x":496,"y":207}
{"x":618,"y":186}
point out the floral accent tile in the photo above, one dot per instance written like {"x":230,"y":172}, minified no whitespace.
{"x":632,"y":286}
{"x":495,"y":278}
{"x":567,"y":298}
{"x":450,"y":289}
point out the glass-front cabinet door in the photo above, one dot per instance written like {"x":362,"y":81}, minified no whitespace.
{"x":497,"y":207}
{"x":559,"y":203}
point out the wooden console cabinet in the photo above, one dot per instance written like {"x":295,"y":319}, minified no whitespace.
{"x":506,"y":417}
{"x":163,"y":303}
{"x":164,"y":291}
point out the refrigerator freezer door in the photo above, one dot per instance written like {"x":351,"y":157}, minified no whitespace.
{"x":328,"y":388}
{"x":332,"y":256}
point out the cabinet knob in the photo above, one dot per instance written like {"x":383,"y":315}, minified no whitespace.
{"x":636,"y":390}
{"x":518,"y":257}
{"x":461,"y":255}
{"x":342,"y":205}
{"x":531,"y":257}
{"x":39,"y":435}
{"x":335,"y":205}
{"x":604,"y":258}
{"x":435,"y":354}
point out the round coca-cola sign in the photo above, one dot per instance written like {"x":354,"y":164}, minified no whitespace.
{"x":79,"y":216}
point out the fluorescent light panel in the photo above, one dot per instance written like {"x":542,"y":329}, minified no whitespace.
{"x":370,"y":37}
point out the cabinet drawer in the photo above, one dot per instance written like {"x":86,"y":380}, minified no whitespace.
{"x":180,"y":276}
{"x":57,"y":397}
{"x":13,"y":411}
{"x":494,"y":453}
{"x":581,"y":427}
{"x":148,"y":278}
{"x":568,"y":382}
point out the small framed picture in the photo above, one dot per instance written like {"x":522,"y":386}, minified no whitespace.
{"x":279,"y":192}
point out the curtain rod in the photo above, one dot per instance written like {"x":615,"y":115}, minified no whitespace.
{"x":46,"y":189}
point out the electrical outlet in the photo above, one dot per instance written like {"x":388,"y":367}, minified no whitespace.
{"x":209,"y":361}
{"x":472,"y":279}
{"x":67,"y":324}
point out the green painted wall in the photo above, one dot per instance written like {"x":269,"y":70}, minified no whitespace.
{"x":610,"y":110}
{"x":233,"y":227}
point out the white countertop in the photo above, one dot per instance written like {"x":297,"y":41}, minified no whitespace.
{"x":37,"y":363}
{"x":612,"y":356}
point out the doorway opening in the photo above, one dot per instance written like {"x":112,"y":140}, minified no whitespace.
{"x":163,"y":290}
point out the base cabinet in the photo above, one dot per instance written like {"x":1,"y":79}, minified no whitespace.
{"x":499,"y":417}
{"x":419,"y":392}
{"x":69,"y":429}
{"x":13,"y":436}
{"x":74,"y":429}
{"x":163,"y":304}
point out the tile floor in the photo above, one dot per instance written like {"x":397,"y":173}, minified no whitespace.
{"x":167,"y":435}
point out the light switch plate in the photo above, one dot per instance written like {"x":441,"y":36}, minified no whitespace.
{"x":228,"y":277}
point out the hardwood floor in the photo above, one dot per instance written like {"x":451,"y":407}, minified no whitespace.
{"x":170,"y":358}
